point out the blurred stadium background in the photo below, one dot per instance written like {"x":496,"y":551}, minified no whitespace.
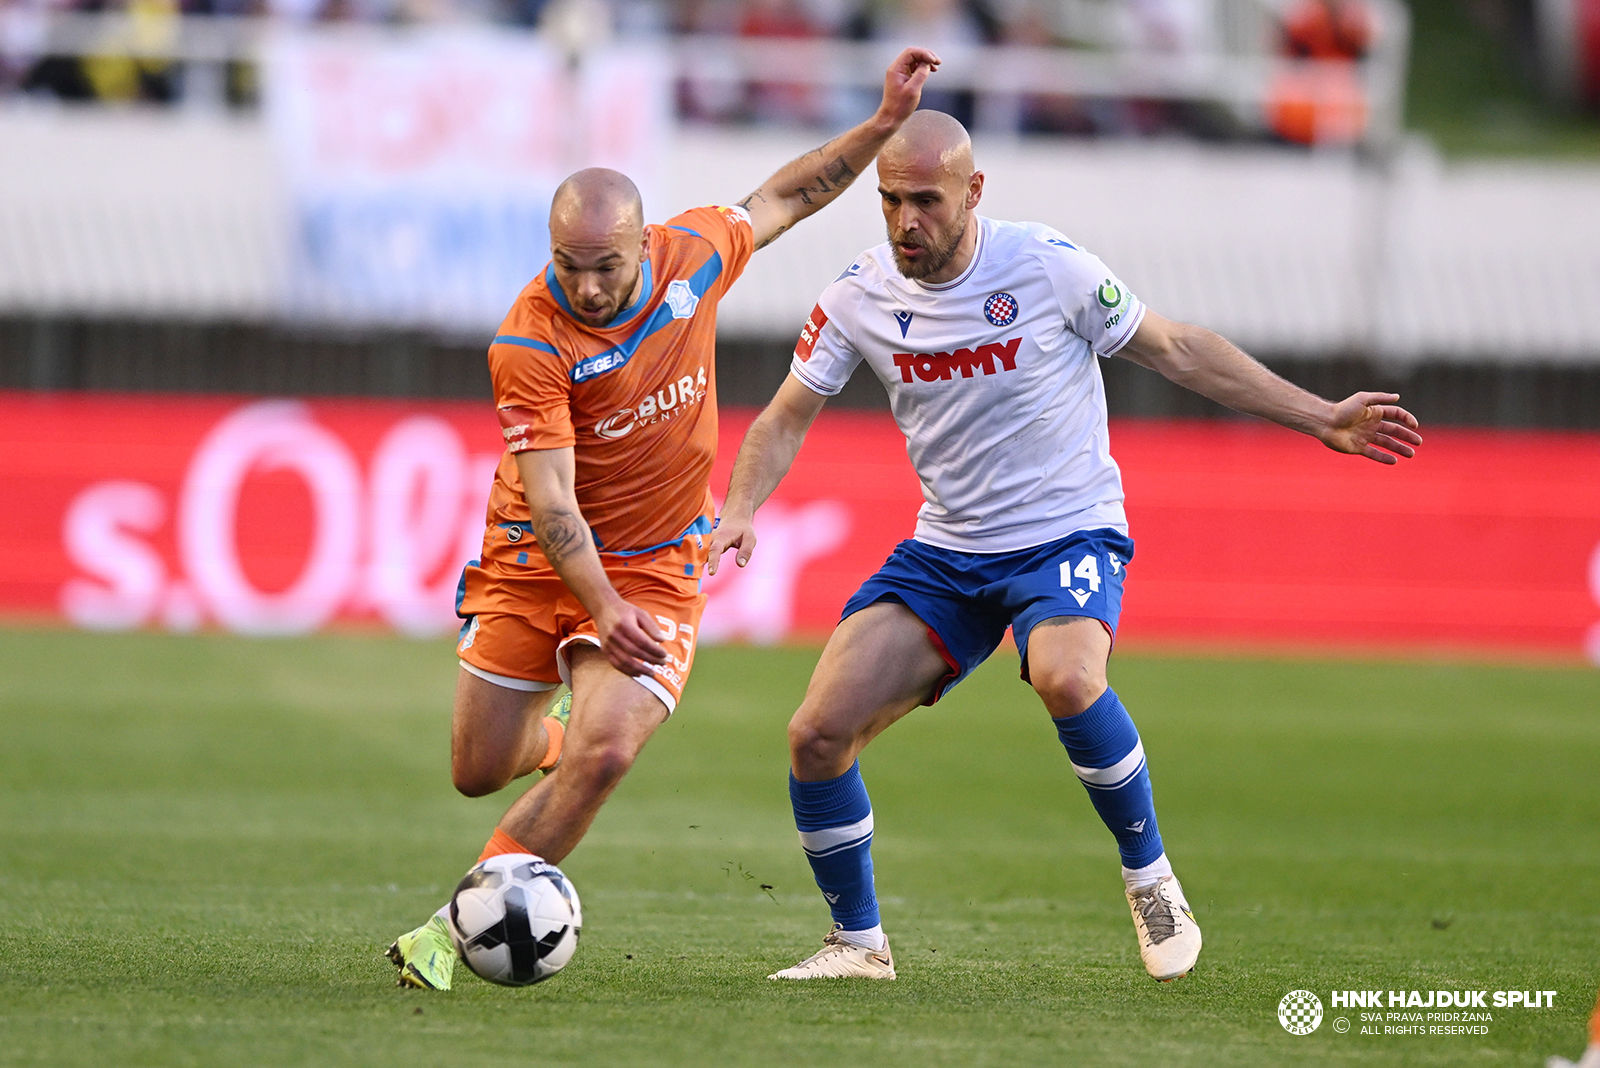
{"x":211,"y":203}
{"x":250,"y":255}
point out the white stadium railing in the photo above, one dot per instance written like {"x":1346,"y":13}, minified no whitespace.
{"x":1230,"y":61}
{"x":191,"y":212}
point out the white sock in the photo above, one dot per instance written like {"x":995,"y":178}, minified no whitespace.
{"x":872,"y":938}
{"x":1159,"y":868}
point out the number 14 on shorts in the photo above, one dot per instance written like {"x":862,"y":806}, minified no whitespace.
{"x":1088,"y":570}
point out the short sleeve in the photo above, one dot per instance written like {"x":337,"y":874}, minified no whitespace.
{"x":531,"y":393}
{"x":1098,"y":307}
{"x":824,"y":359}
{"x":730,"y":232}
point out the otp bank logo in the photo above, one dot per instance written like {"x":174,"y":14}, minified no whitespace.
{"x":939,"y":366}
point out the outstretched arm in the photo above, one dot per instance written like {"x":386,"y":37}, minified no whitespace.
{"x":804,"y":186}
{"x":765,"y":455}
{"x":1364,"y":424}
{"x":628,"y":635}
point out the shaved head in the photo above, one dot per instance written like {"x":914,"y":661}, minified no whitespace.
{"x":597,"y":243}
{"x":931,"y":142}
{"x":929,"y":187}
{"x":596,"y":200}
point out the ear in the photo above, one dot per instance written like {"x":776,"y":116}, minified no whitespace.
{"x":974,"y":190}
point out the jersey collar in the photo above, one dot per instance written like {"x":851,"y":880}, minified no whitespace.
{"x":977,"y":254}
{"x":645,"y":289}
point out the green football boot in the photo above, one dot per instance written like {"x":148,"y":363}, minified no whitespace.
{"x":426,"y":957}
{"x":560,"y":711}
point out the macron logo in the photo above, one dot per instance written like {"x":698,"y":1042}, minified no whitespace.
{"x":938,"y":366}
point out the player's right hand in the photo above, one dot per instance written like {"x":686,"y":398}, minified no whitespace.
{"x":630,"y":639}
{"x":733,"y":532}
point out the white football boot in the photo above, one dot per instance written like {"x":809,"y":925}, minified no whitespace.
{"x":1169,"y":937}
{"x":838,"y":959}
{"x":1590,"y":1059}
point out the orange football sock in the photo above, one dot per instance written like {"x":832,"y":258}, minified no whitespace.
{"x":501,"y":843}
{"x":558,"y":734}
{"x":1594,"y":1026}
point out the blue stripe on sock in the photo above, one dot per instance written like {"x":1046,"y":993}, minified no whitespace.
{"x":1099,"y":737}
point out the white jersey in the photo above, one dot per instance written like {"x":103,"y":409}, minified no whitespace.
{"x":992,"y":378}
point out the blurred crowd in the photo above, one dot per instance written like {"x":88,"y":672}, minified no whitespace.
{"x":1304,"y":107}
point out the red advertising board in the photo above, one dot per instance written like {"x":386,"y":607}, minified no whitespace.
{"x":276,"y":517}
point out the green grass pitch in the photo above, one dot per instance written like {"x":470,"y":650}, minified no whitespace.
{"x":206,"y":842}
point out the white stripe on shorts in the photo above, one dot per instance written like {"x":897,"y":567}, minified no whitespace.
{"x":649,"y":682}
{"x":527,"y":685}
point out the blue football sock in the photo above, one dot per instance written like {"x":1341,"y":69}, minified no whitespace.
{"x":1105,"y":751}
{"x":835,"y":822}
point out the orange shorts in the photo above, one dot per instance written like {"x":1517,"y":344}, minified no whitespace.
{"x":521,"y":617}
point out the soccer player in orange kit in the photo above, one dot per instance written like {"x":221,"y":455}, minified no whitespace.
{"x":605,"y":380}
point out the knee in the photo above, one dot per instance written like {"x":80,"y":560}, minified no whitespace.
{"x":816,"y":747}
{"x":476,"y":777}
{"x":1068,"y":687}
{"x":599,"y":765}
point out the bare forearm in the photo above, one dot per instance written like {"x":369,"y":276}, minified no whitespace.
{"x":804,"y":186}
{"x":568,"y":544}
{"x":1213,"y":367}
{"x":765,"y":456}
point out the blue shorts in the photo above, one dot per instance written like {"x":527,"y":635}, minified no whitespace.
{"x":969,"y":599}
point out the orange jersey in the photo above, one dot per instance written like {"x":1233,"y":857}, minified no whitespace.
{"x":635,"y":400}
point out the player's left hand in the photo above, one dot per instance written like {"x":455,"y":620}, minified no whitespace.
{"x":733,"y":532}
{"x":1367,"y":424}
{"x":902,"y":86}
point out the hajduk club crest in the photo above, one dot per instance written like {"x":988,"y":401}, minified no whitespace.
{"x":1000,"y":309}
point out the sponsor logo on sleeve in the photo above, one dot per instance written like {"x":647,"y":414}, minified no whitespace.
{"x":1109,"y":294}
{"x":810,"y":333}
{"x":514,"y":425}
{"x":1000,"y":309}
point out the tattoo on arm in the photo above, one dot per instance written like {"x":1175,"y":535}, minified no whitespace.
{"x":771,"y":238}
{"x":838,"y":173}
{"x":751,"y":199}
{"x":560,"y":533}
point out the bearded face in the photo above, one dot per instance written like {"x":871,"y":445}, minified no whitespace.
{"x":927,"y":249}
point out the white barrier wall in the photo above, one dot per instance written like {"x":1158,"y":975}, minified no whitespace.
{"x":169,"y":215}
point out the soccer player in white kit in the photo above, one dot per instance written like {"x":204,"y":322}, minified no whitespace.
{"x":985,"y":335}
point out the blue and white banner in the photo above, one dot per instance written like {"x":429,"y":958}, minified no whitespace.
{"x":420,"y":167}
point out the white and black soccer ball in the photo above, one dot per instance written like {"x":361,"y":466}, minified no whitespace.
{"x":515,"y":919}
